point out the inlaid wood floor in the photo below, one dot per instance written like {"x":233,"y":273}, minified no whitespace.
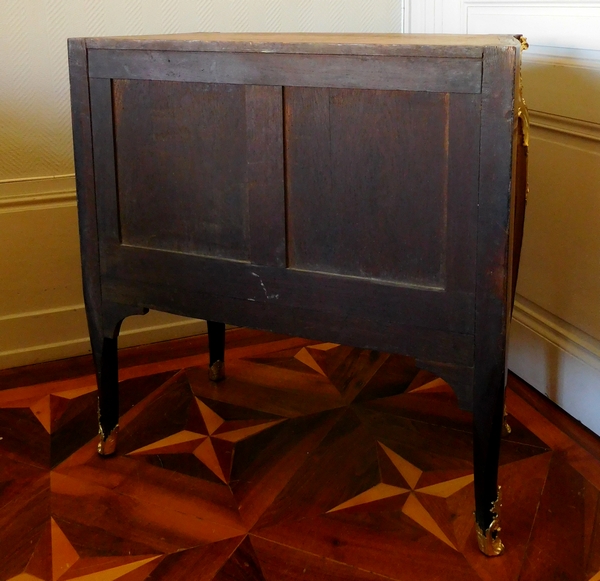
{"x":311,"y":461}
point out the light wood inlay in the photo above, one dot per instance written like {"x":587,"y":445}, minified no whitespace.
{"x":378,"y":492}
{"x":410,"y":472}
{"x":415,"y":510}
{"x":64,"y":556}
{"x":305,"y":357}
{"x":211,"y":419}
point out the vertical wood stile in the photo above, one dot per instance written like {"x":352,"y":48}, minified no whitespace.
{"x":497,"y":115}
{"x":266,"y":194}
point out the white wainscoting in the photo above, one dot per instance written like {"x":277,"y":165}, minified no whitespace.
{"x":42,"y":316}
{"x":555,"y":336}
{"x":558,"y":359}
{"x":59,"y":333}
{"x":571,"y":25}
{"x":567,"y":24}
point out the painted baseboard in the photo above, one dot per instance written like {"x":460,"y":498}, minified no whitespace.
{"x":40,"y":336}
{"x":559,"y":360}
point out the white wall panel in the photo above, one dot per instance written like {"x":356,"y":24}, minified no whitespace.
{"x":566,"y":86}
{"x":39,"y":260}
{"x":548,"y":23}
{"x":572,"y":25}
{"x":561,"y":251}
{"x":559,"y":361}
{"x":555,"y":339}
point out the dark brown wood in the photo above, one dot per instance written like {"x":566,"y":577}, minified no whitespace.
{"x":378,"y":181}
{"x":355,"y":191}
{"x":265,"y":175}
{"x":307,"y":322}
{"x":403,"y":73}
{"x":493,"y":224}
{"x":563,"y":500}
{"x":104,"y":350}
{"x":216,"y":342}
{"x":182,"y":158}
{"x":520,"y":204}
{"x":259,"y":285}
{"x":463,"y":138}
{"x":104,"y":318}
{"x":375,"y":181}
{"x":107,"y":206}
{"x":85,"y":179}
{"x":460,"y":377}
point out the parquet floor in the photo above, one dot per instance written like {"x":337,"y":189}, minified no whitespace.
{"x":311,"y":461}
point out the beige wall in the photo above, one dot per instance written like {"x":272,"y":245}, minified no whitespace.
{"x":35,"y":138}
{"x":555,"y":336}
{"x":41,"y":305}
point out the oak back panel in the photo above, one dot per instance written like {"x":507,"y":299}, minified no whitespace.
{"x":181,"y":166}
{"x":368,"y":178}
{"x":341,"y":187}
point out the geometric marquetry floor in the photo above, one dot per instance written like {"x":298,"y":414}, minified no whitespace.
{"x":311,"y":461}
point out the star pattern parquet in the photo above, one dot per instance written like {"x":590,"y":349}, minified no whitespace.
{"x":311,"y":461}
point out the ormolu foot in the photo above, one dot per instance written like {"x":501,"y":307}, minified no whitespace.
{"x":107,"y":444}
{"x":489,"y":541}
{"x":506,"y":429}
{"x":216,"y":372}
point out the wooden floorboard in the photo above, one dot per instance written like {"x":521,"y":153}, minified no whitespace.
{"x":310,"y":461}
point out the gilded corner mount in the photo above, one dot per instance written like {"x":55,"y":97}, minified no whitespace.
{"x":489,"y":541}
{"x":506,"y":429}
{"x":216,"y":372}
{"x":107,"y":445}
{"x":522,"y":111}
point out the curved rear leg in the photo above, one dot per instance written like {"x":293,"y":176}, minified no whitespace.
{"x":104,"y":349}
{"x":488,"y":421}
{"x":216,"y":347}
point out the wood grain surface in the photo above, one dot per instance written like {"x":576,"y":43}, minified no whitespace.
{"x":173,"y":193}
{"x":446,"y":45}
{"x":403,"y":73}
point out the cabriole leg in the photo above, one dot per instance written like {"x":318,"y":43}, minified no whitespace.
{"x":104,"y":349}
{"x":216,"y":347}
{"x":107,"y":376}
{"x":488,"y":424}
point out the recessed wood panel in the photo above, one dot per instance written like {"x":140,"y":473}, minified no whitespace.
{"x":368,"y":183}
{"x":181,"y":166}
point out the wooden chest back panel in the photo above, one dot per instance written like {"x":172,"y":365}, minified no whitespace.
{"x":197,"y":164}
{"x":181,"y":160}
{"x":368,"y":182}
{"x":190,"y":167}
{"x":349,"y":190}
{"x":340,"y":201}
